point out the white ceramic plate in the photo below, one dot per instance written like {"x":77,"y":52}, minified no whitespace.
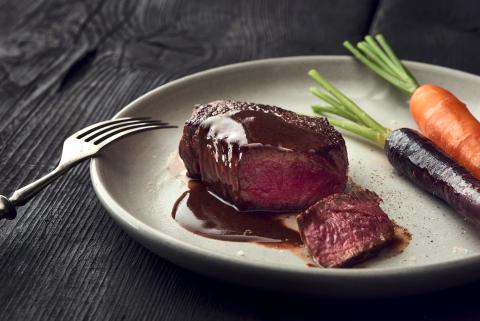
{"x":133,"y":181}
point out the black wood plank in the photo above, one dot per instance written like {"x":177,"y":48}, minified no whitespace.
{"x":440,"y":32}
{"x":65,"y":64}
{"x":458,"y":304}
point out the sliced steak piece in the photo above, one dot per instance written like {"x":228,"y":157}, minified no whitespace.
{"x":345,"y":228}
{"x":264,"y":157}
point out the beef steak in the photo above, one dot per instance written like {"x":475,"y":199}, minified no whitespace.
{"x":263,"y":157}
{"x":345,"y":228}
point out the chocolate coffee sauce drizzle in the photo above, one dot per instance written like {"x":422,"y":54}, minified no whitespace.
{"x":202,"y":213}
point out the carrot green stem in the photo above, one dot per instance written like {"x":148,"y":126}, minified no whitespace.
{"x":378,"y":56}
{"x":334,"y":103}
{"x":372,"y":56}
{"x":332,"y":110}
{"x":388,"y":50}
{"x":347,"y":102}
{"x":378,"y":69}
{"x":386,"y":47}
{"x":365,"y":132}
{"x":383,"y":56}
{"x":328,"y":99}
{"x":350,"y":116}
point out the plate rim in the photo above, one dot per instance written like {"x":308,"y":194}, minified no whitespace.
{"x":142,"y":232}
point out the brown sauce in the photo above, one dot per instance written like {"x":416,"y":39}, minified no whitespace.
{"x":202,"y":213}
{"x":401,"y":239}
{"x":244,"y":127}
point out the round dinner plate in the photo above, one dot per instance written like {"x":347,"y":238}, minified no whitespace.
{"x":139,"y":179}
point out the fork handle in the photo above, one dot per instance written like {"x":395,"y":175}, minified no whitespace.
{"x":23,"y":195}
{"x":7,"y":210}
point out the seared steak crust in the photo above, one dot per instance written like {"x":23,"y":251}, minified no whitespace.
{"x":189,"y":143}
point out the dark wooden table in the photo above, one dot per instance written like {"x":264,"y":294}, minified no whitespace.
{"x":65,"y":64}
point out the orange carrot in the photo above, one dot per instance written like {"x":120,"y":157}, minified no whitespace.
{"x":441,"y":116}
{"x":444,"y":119}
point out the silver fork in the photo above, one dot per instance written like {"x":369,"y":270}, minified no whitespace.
{"x":84,"y":144}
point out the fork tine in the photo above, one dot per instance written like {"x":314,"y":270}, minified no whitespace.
{"x":108,"y":128}
{"x":122,"y":132}
{"x":87,"y":130}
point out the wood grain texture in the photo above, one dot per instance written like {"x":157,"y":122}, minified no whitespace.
{"x":65,"y":64}
{"x":440,"y":32}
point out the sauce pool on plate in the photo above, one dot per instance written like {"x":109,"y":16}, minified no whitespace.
{"x":203,"y":213}
{"x":200,"y":212}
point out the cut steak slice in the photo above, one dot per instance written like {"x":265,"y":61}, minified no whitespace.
{"x":263,"y":157}
{"x":345,"y":228}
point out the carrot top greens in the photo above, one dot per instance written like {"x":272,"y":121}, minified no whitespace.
{"x":347,"y":114}
{"x":378,"y":56}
